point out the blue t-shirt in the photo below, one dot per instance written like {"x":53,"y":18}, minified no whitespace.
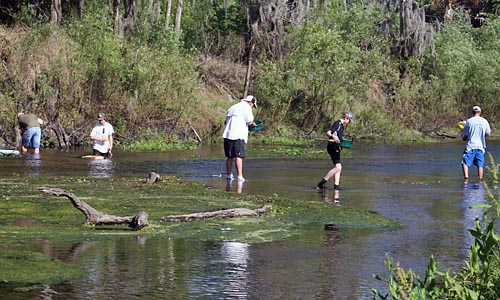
{"x":476,"y":128}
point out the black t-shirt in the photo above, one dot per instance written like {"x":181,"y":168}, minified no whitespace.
{"x":338,"y":127}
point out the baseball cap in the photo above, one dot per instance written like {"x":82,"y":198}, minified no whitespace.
{"x":252,"y":99}
{"x":476,"y":109}
{"x":349,"y":115}
{"x":101,"y":116}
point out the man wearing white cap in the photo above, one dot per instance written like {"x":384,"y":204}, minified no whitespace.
{"x":238,"y":118}
{"x":476,"y":128}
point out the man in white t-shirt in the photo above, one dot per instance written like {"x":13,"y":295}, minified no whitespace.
{"x":102,"y":136}
{"x":476,"y":128}
{"x":238,"y":118}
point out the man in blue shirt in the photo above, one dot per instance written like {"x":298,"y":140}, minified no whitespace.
{"x":476,"y":128}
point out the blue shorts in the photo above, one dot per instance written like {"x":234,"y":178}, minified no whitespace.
{"x":31,"y":137}
{"x":473,"y":157}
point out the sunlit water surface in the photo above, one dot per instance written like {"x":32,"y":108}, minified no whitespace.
{"x":418,"y":185}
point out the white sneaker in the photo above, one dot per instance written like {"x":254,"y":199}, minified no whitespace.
{"x":241,"y":179}
{"x":230,"y":177}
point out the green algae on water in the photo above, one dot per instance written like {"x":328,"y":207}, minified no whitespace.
{"x":28,"y":213}
{"x":35,"y":268}
{"x":30,"y":216}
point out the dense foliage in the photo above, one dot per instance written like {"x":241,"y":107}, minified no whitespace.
{"x":165,"y":71}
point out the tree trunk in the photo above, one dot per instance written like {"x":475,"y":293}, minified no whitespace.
{"x":80,"y":9}
{"x":116,"y":13}
{"x":129,"y":17}
{"x":55,"y":12}
{"x":168,"y":11}
{"x":96,"y":217}
{"x":178,"y":16}
{"x":253,"y":19}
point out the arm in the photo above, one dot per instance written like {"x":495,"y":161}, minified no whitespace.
{"x":333,"y":136}
{"x":96,"y":138}
{"x":111,"y":142}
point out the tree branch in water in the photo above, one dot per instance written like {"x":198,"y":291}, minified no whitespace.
{"x":96,"y":217}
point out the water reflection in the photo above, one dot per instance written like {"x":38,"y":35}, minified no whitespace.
{"x":239,"y":186}
{"x":234,"y":258}
{"x":101,"y":168}
{"x":222,"y":273}
{"x":331,"y":196}
{"x":33,"y":163}
{"x":332,"y":235}
{"x":473,"y":194}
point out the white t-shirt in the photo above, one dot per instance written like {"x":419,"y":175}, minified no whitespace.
{"x":237,"y":118}
{"x":101,"y":131}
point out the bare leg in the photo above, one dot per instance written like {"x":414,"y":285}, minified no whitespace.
{"x":229,"y":165}
{"x":336,"y":177}
{"x":480,"y":171}
{"x":36,"y":150}
{"x":239,"y":166}
{"x":22,"y":149}
{"x":333,"y":172}
{"x":465,"y":170}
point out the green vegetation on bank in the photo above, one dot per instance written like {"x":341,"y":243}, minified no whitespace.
{"x":163,"y":83}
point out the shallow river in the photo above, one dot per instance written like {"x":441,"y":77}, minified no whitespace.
{"x":418,"y":185}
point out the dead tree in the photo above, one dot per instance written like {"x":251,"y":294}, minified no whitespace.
{"x":223,"y":213}
{"x":96,"y":217}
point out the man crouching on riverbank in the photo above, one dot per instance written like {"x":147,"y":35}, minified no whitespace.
{"x":238,"y":118}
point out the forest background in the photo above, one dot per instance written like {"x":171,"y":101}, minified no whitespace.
{"x":165,"y":71}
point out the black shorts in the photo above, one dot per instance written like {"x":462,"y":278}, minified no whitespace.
{"x":234,"y":148}
{"x":334,"y":151}
{"x":97,"y":152}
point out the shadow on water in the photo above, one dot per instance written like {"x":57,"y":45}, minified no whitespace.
{"x":418,"y":185}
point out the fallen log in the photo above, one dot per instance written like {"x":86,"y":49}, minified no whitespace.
{"x":153,"y":177}
{"x":96,"y":217}
{"x":223,"y":213}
